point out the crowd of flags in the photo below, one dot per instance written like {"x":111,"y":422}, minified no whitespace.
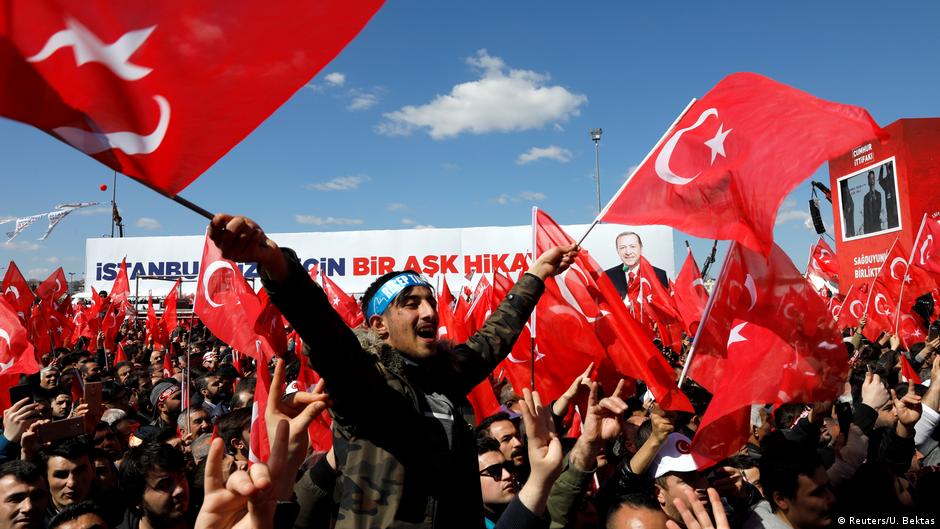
{"x":720,"y":172}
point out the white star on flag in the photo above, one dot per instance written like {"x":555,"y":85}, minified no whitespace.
{"x":717,"y":144}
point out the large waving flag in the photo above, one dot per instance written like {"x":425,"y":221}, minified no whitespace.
{"x":587,"y":291}
{"x":161,"y":90}
{"x":725,"y":167}
{"x":54,"y":287}
{"x":16,"y":351}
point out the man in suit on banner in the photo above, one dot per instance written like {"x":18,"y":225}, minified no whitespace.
{"x":630,"y":249}
{"x":872,"y":210}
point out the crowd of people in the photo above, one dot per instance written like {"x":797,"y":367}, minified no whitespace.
{"x":168,"y":443}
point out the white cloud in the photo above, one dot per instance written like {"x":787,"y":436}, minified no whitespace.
{"x":502,"y":100}
{"x":335,"y":78}
{"x":340,"y":183}
{"x":407,"y":222}
{"x":397,"y":206}
{"x":52,"y":259}
{"x":91,"y":211}
{"x":552,"y":152}
{"x":524,"y":196}
{"x":326,"y":221}
{"x":423,"y":226}
{"x":147,"y":223}
{"x":414,"y":225}
{"x":37,"y":273}
{"x":19,"y":244}
{"x":363,"y":101}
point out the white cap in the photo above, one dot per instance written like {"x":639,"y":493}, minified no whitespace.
{"x":674,"y":456}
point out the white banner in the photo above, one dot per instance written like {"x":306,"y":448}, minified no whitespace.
{"x":353,"y":259}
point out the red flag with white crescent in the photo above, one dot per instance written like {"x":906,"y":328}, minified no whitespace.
{"x":161,"y":90}
{"x":689,"y":293}
{"x":728,"y":163}
{"x":16,"y":351}
{"x":16,"y":290}
{"x":225,"y":302}
{"x":54,"y":287}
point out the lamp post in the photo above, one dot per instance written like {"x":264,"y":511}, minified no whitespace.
{"x":596,"y":138}
{"x":71,"y":280}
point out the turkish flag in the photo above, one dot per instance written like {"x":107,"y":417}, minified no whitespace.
{"x":724,"y":169}
{"x":226,"y":303}
{"x":769,"y":292}
{"x":689,"y":293}
{"x":481,"y":305}
{"x":120,"y":355}
{"x":54,"y":287}
{"x":121,"y":287}
{"x":111,"y":323}
{"x":320,"y":430}
{"x":16,"y":290}
{"x":483,"y":400}
{"x":16,"y":351}
{"x":168,"y":320}
{"x":908,"y":373}
{"x":168,"y":370}
{"x":39,"y":332}
{"x":152,"y":325}
{"x":344,"y":304}
{"x":259,"y":447}
{"x":270,"y":328}
{"x":449,"y":327}
{"x":60,"y":327}
{"x":586,"y":290}
{"x":823,"y":261}
{"x":853,"y":306}
{"x":159,"y":91}
{"x":925,"y":255}
{"x":517,"y":366}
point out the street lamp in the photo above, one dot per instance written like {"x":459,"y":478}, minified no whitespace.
{"x":596,"y":138}
{"x":71,"y":280}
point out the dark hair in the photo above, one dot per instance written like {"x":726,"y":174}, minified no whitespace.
{"x":483,"y":429}
{"x":74,"y":511}
{"x":24,"y":471}
{"x":143,"y":459}
{"x":634,"y":500}
{"x":122,"y":364}
{"x":486,"y":444}
{"x":111,"y":390}
{"x":72,"y":449}
{"x":377,"y":284}
{"x":624,"y":234}
{"x":781,"y":464}
{"x":232,"y":424}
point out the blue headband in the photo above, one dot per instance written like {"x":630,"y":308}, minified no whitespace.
{"x":390,"y":290}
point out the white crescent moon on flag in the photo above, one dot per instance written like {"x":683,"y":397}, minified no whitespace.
{"x":6,"y":337}
{"x":58,"y":286}
{"x":924,"y":254}
{"x":836,"y":311}
{"x":698,"y":282}
{"x":822,"y":255}
{"x":880,"y":297}
{"x":13,"y":289}
{"x":644,"y":280}
{"x":852,"y":308}
{"x":751,"y":289}
{"x":515,"y":360}
{"x":787,"y":308}
{"x":894,"y":262}
{"x":567,"y":295}
{"x":211,"y":269}
{"x":662,"y":159}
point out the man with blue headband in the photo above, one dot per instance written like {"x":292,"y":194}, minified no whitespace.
{"x":402,"y":428}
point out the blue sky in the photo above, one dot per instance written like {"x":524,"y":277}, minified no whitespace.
{"x":374,"y":141}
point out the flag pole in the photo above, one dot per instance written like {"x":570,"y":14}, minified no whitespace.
{"x":535,"y":211}
{"x":705,"y":314}
{"x":645,"y":158}
{"x":178,"y":199}
{"x":897,"y":313}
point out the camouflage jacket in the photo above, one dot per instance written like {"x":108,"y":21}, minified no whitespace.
{"x":403,"y":432}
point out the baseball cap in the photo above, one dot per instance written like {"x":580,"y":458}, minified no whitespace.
{"x":674,"y":456}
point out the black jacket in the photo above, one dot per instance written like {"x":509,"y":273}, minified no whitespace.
{"x":401,"y":465}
